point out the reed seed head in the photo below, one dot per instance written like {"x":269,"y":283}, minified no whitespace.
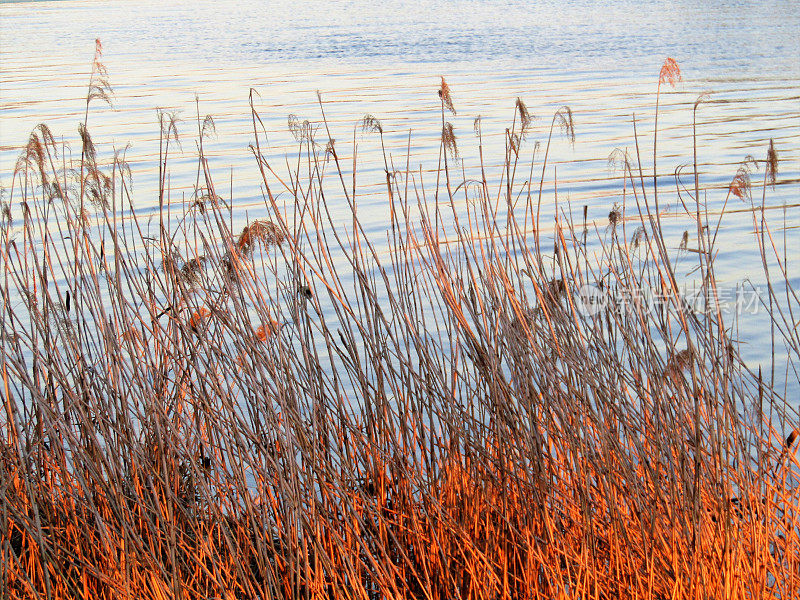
{"x":670,"y":73}
{"x":449,"y":139}
{"x":198,"y":317}
{"x":678,"y":363}
{"x":209,"y":127}
{"x":204,"y":199}
{"x":99,"y":86}
{"x":564,"y":119}
{"x":514,"y":141}
{"x":701,"y":98}
{"x":371,"y":125}
{"x":266,"y":331}
{"x":740,"y":184}
{"x":618,"y":161}
{"x":168,"y":121}
{"x":684,"y":241}
{"x":262,"y":231}
{"x":447,"y":99}
{"x":300,"y":130}
{"x":89,"y":150}
{"x":772,"y":163}
{"x":192,"y":270}
{"x":637,"y":237}
{"x":614,"y":217}
{"x":525,"y":117}
{"x":33,"y":156}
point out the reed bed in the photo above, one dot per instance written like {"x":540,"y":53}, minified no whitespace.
{"x":288,"y":411}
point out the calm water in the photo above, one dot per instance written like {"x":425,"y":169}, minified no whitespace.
{"x":600,"y":58}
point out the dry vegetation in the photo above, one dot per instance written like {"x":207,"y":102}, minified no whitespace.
{"x":191,"y":412}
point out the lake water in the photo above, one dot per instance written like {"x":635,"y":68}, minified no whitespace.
{"x":600,"y":58}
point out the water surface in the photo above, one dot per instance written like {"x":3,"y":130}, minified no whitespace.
{"x":600,"y":58}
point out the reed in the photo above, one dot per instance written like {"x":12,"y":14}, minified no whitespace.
{"x":289,"y":412}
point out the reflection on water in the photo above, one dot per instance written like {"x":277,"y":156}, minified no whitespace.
{"x":601,"y":59}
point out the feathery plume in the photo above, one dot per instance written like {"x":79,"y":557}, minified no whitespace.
{"x":740,"y":184}
{"x":618,"y":160}
{"x":563,"y":117}
{"x":34,"y":153}
{"x":679,"y":362}
{"x":198,"y":317}
{"x":670,"y":73}
{"x":514,"y":141}
{"x":300,"y":130}
{"x":209,"y":127}
{"x":192,"y":270}
{"x":266,"y":232}
{"x":684,"y":241}
{"x":637,"y":238}
{"x":772,"y":163}
{"x":447,"y":99}
{"x":702,"y":98}
{"x":554,"y":289}
{"x":264,"y":332}
{"x":168,"y":121}
{"x":89,"y":150}
{"x":370,"y":124}
{"x":123,"y":167}
{"x":525,"y":117}
{"x":98,"y":186}
{"x":614,"y":217}
{"x":204,"y":198}
{"x":99,"y":86}
{"x":5,"y":213}
{"x":449,"y":139}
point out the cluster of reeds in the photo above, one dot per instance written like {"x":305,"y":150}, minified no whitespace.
{"x":290,"y":411}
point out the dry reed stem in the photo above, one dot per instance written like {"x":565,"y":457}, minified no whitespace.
{"x":446,"y":424}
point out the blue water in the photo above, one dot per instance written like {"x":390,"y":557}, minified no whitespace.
{"x":600,"y":58}
{"x":718,"y":39}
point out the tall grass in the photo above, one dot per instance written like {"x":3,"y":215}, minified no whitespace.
{"x":287,"y":411}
